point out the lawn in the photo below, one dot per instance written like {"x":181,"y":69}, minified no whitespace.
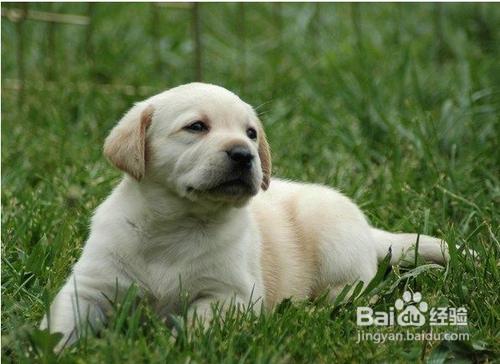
{"x":396,"y":105}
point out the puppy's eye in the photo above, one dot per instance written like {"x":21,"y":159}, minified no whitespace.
{"x":197,"y":127}
{"x":252,"y":133}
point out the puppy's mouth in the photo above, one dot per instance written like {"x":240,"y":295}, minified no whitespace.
{"x":236,"y":186}
{"x":233,"y":187}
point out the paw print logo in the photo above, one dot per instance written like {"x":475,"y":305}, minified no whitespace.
{"x":412,"y":308}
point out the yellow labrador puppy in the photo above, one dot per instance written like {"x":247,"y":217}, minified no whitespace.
{"x":197,"y":208}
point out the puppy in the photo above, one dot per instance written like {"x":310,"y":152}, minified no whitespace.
{"x":197,"y":209}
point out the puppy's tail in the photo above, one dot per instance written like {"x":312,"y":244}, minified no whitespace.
{"x":403,"y":247}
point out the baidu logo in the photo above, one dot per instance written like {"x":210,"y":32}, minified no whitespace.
{"x":411,"y":310}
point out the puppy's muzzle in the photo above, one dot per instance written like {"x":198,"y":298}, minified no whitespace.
{"x":240,"y":157}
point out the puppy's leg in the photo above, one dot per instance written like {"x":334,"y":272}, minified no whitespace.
{"x":403,"y":246}
{"x":74,"y":307}
{"x":203,"y":308}
{"x":346,"y":257}
{"x":344,"y":251}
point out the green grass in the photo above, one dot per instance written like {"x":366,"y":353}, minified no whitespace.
{"x":397,"y":105}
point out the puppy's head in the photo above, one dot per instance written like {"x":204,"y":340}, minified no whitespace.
{"x":199,"y":140}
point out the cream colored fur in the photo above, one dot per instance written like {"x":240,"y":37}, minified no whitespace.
{"x":168,"y":224}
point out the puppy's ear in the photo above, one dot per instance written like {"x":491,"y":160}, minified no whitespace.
{"x":125,"y":146}
{"x":265,"y":157}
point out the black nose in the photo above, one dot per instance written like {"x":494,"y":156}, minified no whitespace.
{"x":240,"y":156}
